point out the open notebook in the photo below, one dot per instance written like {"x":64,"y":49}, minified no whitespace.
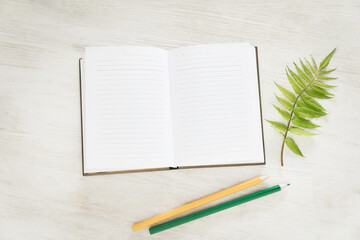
{"x":145,"y":108}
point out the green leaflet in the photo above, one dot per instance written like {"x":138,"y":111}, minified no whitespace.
{"x":311,"y":67}
{"x":293,"y":83}
{"x":290,"y":143}
{"x":320,"y":90}
{"x":302,"y":103}
{"x":326,"y":72}
{"x":312,"y":102}
{"x":307,"y":113}
{"x":297,"y":78}
{"x":300,"y":131}
{"x":280,"y":126}
{"x":283,"y":113}
{"x":326,"y":60}
{"x":309,"y":73}
{"x":321,"y":84}
{"x":289,"y":95}
{"x":314,"y":62}
{"x":325,"y":78}
{"x":286,"y":104}
{"x":302,"y":74}
{"x":316,"y":94}
{"x":278,"y":131}
{"x":302,"y":122}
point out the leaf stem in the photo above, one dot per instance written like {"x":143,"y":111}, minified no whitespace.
{"x":291,"y":115}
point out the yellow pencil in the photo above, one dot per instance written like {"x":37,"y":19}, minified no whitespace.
{"x":198,"y":203}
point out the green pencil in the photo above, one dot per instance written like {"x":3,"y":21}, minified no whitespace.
{"x":218,"y":208}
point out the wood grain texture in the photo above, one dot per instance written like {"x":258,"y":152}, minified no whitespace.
{"x":42,"y":192}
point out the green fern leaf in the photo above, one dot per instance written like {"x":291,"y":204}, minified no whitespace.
{"x":307,"y":85}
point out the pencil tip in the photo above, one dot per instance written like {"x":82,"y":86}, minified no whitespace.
{"x":263,"y":178}
{"x":283,"y":185}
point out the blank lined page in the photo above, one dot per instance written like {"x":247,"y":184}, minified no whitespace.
{"x":126,"y":109}
{"x":215,"y":102}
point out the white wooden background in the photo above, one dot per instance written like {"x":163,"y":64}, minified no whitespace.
{"x":42,"y":192}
